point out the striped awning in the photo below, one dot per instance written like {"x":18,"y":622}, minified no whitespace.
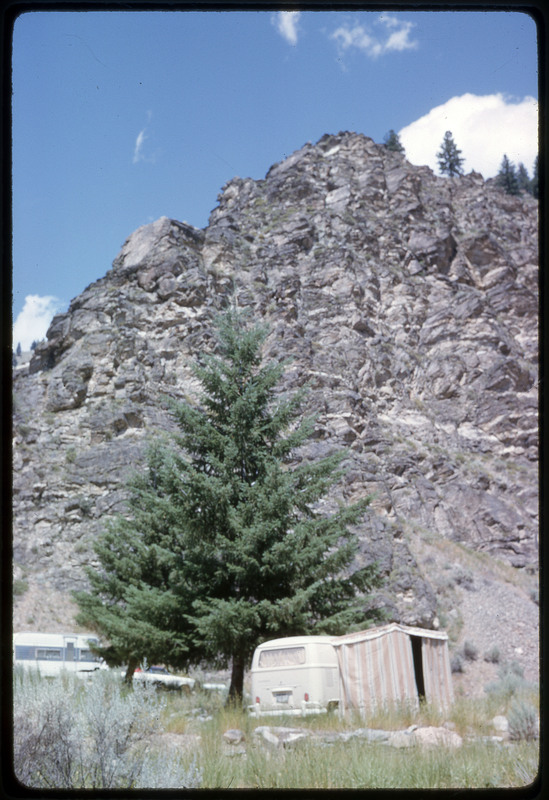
{"x":437,"y":674}
{"x":377,"y":667}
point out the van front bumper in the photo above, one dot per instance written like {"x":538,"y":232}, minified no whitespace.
{"x":256,"y":710}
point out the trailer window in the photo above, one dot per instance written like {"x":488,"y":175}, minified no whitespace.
{"x":24,"y":652}
{"x":282,"y":657}
{"x":87,"y":655}
{"x":48,"y":654}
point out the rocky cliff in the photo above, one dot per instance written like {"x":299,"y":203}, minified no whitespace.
{"x":409,"y":303}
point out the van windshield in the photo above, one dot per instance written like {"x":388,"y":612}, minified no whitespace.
{"x":282,"y":657}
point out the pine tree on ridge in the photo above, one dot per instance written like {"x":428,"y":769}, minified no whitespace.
{"x":449,"y":157}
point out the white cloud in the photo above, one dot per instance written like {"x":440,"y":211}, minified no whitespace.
{"x":484,"y":128}
{"x":395,"y":37}
{"x":138,"y":149}
{"x":286,"y":23}
{"x":34,"y":319}
{"x":356,"y":37}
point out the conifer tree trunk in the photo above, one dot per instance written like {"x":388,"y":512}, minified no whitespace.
{"x":133,"y":663}
{"x":236,"y":689}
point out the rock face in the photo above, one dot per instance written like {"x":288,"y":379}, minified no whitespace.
{"x":406,"y":300}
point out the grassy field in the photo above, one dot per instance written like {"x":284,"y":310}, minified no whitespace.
{"x":353,"y":765}
{"x":163,"y":739}
{"x":356,"y":763}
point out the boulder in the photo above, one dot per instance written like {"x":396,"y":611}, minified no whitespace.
{"x":401,"y":739}
{"x":234,"y":736}
{"x":437,"y":737}
{"x":500,"y":723}
{"x":280,"y":736}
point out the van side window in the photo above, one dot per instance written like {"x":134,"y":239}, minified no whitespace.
{"x":282,"y":657}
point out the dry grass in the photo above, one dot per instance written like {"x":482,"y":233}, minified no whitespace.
{"x":200,"y":720}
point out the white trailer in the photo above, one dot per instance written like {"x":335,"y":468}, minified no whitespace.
{"x":53,"y":653}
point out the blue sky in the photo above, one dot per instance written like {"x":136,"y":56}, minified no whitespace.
{"x":122,"y":117}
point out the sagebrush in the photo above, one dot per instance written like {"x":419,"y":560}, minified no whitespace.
{"x":523,"y":721}
{"x":75,"y":734}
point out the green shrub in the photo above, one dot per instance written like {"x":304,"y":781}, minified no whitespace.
{"x":70,"y":455}
{"x":511,"y":682}
{"x":523,"y":721}
{"x":505,"y":688}
{"x":86,"y":505}
{"x":470,"y":651}
{"x":511,"y":668}
{"x":443,"y":619}
{"x":445,"y":583}
{"x":20,"y":586}
{"x":493,"y":655}
{"x":456,"y":662}
{"x":463,"y":577}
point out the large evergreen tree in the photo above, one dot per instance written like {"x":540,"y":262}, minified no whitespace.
{"x":507,"y":177}
{"x":449,"y":157}
{"x":225,"y":545}
{"x":392,"y":141}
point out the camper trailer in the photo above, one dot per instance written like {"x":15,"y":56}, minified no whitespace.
{"x":52,"y":653}
{"x":359,"y":671}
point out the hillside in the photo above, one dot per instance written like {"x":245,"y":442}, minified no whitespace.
{"x":409,"y":303}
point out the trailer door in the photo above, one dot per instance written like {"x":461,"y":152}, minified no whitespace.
{"x":69,"y":649}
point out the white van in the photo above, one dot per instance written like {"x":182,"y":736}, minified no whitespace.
{"x":295,"y":675}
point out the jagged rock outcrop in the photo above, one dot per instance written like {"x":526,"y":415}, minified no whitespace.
{"x":406,"y":300}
